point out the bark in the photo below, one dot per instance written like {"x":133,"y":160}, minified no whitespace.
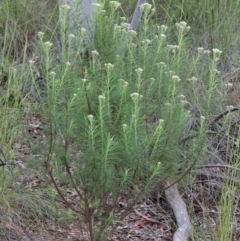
{"x":178,"y":206}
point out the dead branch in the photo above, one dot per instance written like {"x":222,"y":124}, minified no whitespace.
{"x":218,"y":175}
{"x":178,"y":206}
{"x":137,"y":15}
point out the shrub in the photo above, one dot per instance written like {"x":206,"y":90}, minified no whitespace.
{"x":115,"y":128}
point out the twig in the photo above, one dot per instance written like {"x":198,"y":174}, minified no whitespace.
{"x":220,"y":116}
{"x":216,"y":119}
{"x":218,"y":165}
{"x":217,"y":175}
{"x":146,"y":217}
{"x":178,"y":206}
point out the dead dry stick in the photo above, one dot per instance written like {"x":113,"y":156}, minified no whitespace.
{"x":178,"y":206}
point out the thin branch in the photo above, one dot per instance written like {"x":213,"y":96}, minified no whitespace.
{"x":220,"y":116}
{"x":219,"y":165}
{"x":216,"y":119}
{"x":48,"y":168}
{"x":217,"y":175}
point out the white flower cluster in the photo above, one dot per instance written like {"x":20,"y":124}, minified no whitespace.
{"x":200,"y":50}
{"x":71,"y":36}
{"x":98,"y":6}
{"x":31,"y":62}
{"x":65,"y":7}
{"x":172,"y":48}
{"x":183,"y":99}
{"x":216,"y":54}
{"x":68,"y":64}
{"x":182,"y":27}
{"x":162,"y":65}
{"x":95,"y":53}
{"x":146,"y":41}
{"x":136,"y":97}
{"x":162,"y":28}
{"x":40,"y":35}
{"x":139,"y":71}
{"x":53,"y":74}
{"x":124,"y":28}
{"x":109,"y":66}
{"x":124,"y":126}
{"x":175,"y":78}
{"x":230,"y":107}
{"x":48,"y":45}
{"x":90,"y":118}
{"x":146,"y":8}
{"x":83,"y":31}
{"x":193,"y":79}
{"x":101,"y":98}
{"x":114,"y":4}
{"x":124,"y":83}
